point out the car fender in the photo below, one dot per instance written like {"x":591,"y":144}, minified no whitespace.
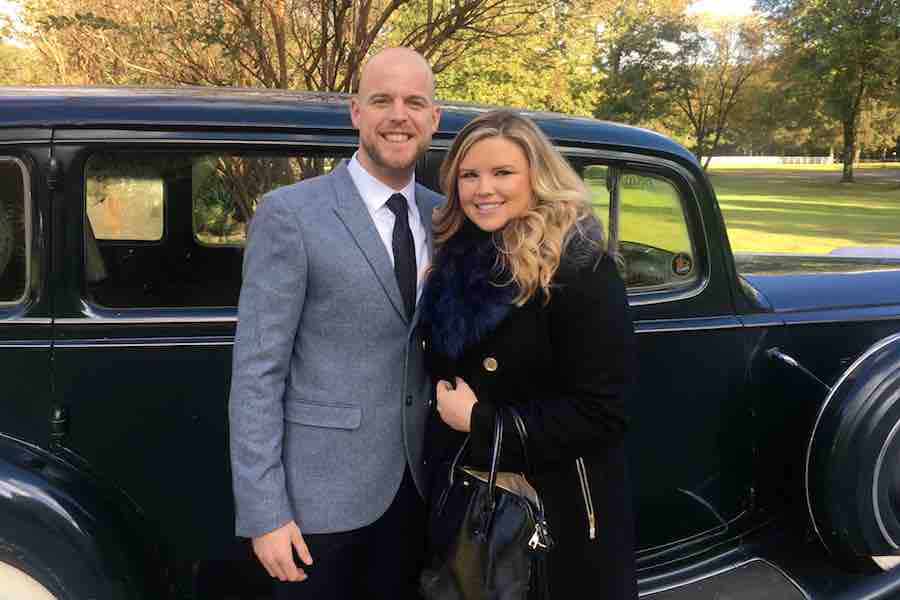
{"x":62,"y":527}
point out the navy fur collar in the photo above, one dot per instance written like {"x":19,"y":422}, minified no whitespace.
{"x":464,"y":300}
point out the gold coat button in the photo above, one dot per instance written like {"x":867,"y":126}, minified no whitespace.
{"x":490,"y":364}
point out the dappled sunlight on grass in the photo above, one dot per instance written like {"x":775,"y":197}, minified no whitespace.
{"x":808,"y":213}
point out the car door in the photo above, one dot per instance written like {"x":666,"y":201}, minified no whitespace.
{"x":25,"y":283}
{"x":155,"y":224}
{"x":691,"y":437}
{"x":692,"y":433}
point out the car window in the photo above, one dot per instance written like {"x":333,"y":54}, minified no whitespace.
{"x":14,"y":227}
{"x":225,"y":189}
{"x":124,"y":199}
{"x":649,"y":226}
{"x":167,"y":230}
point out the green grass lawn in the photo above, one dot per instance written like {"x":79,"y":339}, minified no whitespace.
{"x":801,"y":210}
{"x":808,"y":212}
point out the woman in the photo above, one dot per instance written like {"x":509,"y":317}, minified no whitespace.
{"x":524,"y":306}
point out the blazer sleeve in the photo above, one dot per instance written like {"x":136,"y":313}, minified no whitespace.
{"x":594,"y":367}
{"x":269,"y":310}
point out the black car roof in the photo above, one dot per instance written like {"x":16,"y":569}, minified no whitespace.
{"x":206,"y":107}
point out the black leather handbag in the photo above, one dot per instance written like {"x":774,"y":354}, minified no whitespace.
{"x":487,"y":535}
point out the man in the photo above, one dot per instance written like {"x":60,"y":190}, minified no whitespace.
{"x":329,"y":395}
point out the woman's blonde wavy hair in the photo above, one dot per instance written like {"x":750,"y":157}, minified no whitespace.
{"x":532,"y":245}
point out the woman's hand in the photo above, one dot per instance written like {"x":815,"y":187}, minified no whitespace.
{"x":455,"y":405}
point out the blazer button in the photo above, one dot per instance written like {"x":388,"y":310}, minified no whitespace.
{"x":409,"y":400}
{"x":490,"y":364}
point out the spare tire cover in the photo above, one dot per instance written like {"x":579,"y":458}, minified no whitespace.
{"x":853,"y":458}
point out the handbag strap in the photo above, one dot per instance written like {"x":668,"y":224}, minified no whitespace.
{"x":519,"y":423}
{"x":496,"y":445}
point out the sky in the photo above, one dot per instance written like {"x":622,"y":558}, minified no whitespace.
{"x":714,"y":7}
{"x":733,"y":8}
{"x":5,"y":7}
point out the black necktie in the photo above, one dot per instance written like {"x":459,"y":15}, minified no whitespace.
{"x":404,"y":252}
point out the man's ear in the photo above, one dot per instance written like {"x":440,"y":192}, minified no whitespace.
{"x":437,"y":117}
{"x":354,"y":111}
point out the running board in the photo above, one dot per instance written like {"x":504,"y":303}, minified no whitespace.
{"x":756,"y":579}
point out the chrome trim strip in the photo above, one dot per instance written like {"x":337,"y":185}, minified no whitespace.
{"x":859,"y":318}
{"x":93,"y":321}
{"x":23,"y":142}
{"x":873,"y":349}
{"x":36,"y":344}
{"x":24,"y":321}
{"x":884,"y":447}
{"x":680,"y":325}
{"x":683,"y":329}
{"x":103,"y":344}
{"x":766,"y":324}
{"x":33,"y":447}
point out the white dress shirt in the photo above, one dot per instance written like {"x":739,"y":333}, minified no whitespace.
{"x":375,"y":194}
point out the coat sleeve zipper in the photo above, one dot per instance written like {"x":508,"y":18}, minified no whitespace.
{"x":586,"y":494}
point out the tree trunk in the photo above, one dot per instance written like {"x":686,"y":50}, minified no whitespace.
{"x":849,"y":150}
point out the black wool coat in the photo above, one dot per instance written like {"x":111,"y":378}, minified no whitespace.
{"x":568,"y":366}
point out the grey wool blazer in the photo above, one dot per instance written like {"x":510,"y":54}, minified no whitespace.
{"x":328,"y":392}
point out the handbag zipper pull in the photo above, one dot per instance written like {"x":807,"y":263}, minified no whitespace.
{"x":540,"y":539}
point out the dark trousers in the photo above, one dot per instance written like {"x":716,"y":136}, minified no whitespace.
{"x":379,"y":561}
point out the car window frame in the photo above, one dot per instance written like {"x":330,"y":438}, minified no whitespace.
{"x":28,"y":224}
{"x":680,"y":179}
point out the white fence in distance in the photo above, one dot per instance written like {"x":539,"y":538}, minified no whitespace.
{"x":724,"y":161}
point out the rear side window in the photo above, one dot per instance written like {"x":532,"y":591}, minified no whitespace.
{"x":14,"y":240}
{"x":168,"y":229}
{"x":124,"y":201}
{"x":653,"y":237}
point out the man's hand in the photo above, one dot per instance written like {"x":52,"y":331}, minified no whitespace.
{"x":273,"y":550}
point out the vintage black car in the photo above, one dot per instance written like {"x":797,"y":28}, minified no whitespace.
{"x":765,"y":428}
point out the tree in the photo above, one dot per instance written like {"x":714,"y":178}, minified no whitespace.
{"x":20,"y":65}
{"x":714,"y":63}
{"x":635,"y":59}
{"x":843,"y":56}
{"x":304,"y":44}
{"x":549,"y":67}
{"x":879,"y":128}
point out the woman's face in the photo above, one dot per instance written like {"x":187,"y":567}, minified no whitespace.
{"x":494,"y":183}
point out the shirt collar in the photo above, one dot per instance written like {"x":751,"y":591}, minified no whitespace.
{"x":375,"y":193}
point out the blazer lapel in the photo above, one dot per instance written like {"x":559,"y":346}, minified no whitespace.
{"x":426,"y":201}
{"x":352,"y":211}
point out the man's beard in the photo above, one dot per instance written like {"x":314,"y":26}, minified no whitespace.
{"x":379,"y":160}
